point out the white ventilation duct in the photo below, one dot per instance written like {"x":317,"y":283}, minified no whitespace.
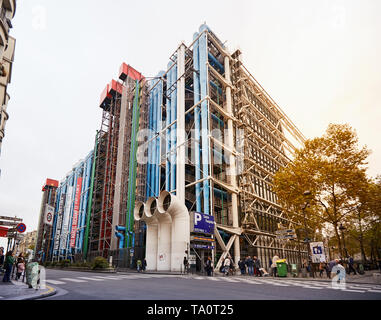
{"x":164,"y":246}
{"x":169,"y":205}
{"x":141,"y":213}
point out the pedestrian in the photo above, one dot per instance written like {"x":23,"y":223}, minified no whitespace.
{"x":20,"y":266}
{"x":1,"y":258}
{"x":321,"y":269}
{"x":242,"y":266}
{"x":144,"y":265}
{"x":208,"y":267}
{"x":351,"y":266}
{"x":8,"y":265}
{"x":257,"y":267}
{"x":227,"y":265}
{"x":139,"y":265}
{"x":274,"y":266}
{"x":185,"y":262}
{"x":250,"y":266}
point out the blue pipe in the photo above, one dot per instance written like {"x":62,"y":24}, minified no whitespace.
{"x":158,"y":129}
{"x":220,"y":193}
{"x":196,"y":85}
{"x":174,"y":128}
{"x":217,"y":119}
{"x":203,"y":54}
{"x":168,"y":134}
{"x":219,"y":90}
{"x":216,"y":64}
{"x":149,"y":164}
{"x":153,"y":143}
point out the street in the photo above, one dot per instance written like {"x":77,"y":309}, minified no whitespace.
{"x":72,"y":285}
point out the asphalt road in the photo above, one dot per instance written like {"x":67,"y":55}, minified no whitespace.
{"x":100,"y":286}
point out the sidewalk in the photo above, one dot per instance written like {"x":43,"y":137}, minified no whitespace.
{"x":17,"y":290}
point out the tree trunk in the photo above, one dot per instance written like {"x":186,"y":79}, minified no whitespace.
{"x":339,"y":241}
{"x":361,"y":240}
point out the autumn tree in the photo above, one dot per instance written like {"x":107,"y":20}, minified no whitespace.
{"x":332,"y":168}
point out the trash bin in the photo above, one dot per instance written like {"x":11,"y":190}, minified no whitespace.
{"x":294,"y":270}
{"x":32,"y":274}
{"x":282,"y":268}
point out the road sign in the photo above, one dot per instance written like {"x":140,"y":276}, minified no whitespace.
{"x":8,"y":223}
{"x":11,"y":219}
{"x":21,"y":228}
{"x":285,"y":231}
{"x":286,"y":237}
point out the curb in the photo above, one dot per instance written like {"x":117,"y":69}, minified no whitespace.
{"x":51,"y":292}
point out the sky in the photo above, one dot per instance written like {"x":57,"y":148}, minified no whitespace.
{"x":319,"y":60}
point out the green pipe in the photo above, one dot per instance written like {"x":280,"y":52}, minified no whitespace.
{"x":132,"y":171}
{"x":86,"y":240}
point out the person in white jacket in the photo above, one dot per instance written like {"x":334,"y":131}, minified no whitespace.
{"x":274,"y":266}
{"x":227,"y":265}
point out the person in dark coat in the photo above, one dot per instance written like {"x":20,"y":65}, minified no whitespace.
{"x":8,"y":265}
{"x":242,"y":267}
{"x":144,"y":265}
{"x":351,"y":266}
{"x":257,"y":267}
{"x":250,"y":266}
{"x":209,"y":267}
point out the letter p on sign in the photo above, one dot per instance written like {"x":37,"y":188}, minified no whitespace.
{"x":198,"y":218}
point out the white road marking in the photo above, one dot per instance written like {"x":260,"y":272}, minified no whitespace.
{"x":72,"y":280}
{"x":55,"y":282}
{"x":107,"y":278}
{"x":311,"y":287}
{"x":375,"y":291}
{"x":230,"y":280}
{"x":214,"y":279}
{"x":348,"y":290}
{"x":92,"y":279}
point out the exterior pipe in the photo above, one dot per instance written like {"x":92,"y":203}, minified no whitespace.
{"x":203,"y":54}
{"x":168,"y":134}
{"x":170,"y":205}
{"x":196,"y":86}
{"x":174,"y":128}
{"x":153,"y":143}
{"x":164,"y":234}
{"x":215,"y":63}
{"x":158,"y":129}
{"x":142,"y":213}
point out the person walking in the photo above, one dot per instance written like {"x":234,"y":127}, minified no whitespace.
{"x":274,"y":266}
{"x":242,"y":266}
{"x":20,"y":266}
{"x":321,"y":269}
{"x":250,"y":266}
{"x":227,"y":266}
{"x":208,"y":267}
{"x":257,"y":267}
{"x":8,"y":265}
{"x":185,"y":263}
{"x":139,"y":265}
{"x":351,"y":266}
{"x":144,"y":265}
{"x":1,"y":258}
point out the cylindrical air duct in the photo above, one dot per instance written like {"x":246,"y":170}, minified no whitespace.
{"x":141,"y":214}
{"x":168,"y":204}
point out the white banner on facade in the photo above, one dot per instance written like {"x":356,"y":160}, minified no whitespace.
{"x":49,"y":215}
{"x":66,"y":218}
{"x":318,"y":252}
{"x":57,"y":237}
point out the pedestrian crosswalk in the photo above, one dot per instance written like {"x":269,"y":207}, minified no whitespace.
{"x":233,"y":280}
